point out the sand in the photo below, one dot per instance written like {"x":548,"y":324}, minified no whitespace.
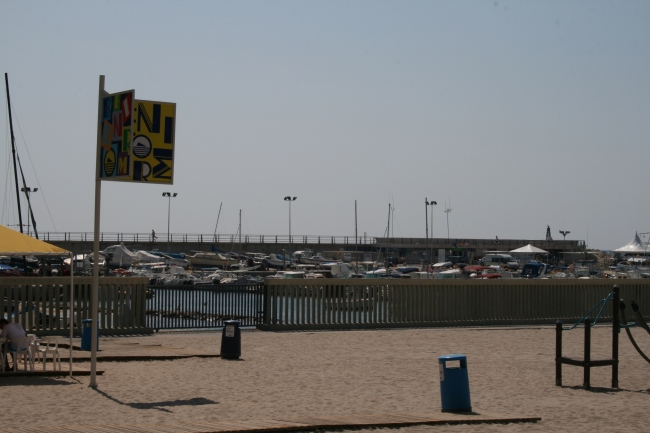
{"x":286,"y":375}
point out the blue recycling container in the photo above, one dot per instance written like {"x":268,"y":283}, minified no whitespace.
{"x":87,"y":334}
{"x":454,"y":383}
{"x":231,"y":340}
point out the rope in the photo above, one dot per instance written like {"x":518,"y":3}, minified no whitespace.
{"x":627,"y":329}
{"x":639,"y":317}
{"x":602,"y":303}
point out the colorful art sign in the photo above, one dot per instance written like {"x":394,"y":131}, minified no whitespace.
{"x":116,"y":136}
{"x":154,"y":127}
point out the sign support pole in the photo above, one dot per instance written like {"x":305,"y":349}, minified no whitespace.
{"x":95,"y":286}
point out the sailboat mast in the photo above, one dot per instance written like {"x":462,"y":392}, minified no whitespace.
{"x":388,"y":236}
{"x":217,"y":224}
{"x":13,"y":151}
{"x":356,"y":241}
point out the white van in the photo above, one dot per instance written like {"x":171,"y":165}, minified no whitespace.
{"x":503,"y":260}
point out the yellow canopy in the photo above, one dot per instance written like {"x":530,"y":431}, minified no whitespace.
{"x":13,"y":243}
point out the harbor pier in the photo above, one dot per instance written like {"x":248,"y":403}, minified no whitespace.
{"x":409,"y":250}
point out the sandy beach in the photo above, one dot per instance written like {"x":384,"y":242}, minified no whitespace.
{"x":511,"y":372}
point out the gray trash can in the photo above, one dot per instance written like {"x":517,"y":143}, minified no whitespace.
{"x":231,"y":340}
{"x":87,"y":334}
{"x":454,"y":383}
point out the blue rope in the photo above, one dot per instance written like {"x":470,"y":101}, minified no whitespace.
{"x":602,"y":302}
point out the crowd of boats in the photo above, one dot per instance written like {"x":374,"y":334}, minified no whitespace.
{"x":251,"y":268}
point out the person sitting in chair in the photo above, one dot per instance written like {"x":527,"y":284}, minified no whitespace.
{"x":11,"y":331}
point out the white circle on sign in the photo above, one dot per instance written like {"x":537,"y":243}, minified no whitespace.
{"x":141,"y":146}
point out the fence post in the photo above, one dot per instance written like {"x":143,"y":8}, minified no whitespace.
{"x":267,"y":304}
{"x":558,"y":353}
{"x":587,"y":356}
{"x":615,"y":329}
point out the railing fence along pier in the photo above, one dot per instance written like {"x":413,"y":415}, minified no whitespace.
{"x":385,"y":303}
{"x":144,"y":238}
{"x":42,"y":304}
{"x":204,"y":306}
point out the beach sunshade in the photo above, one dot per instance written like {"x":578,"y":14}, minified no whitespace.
{"x":530,"y":249}
{"x":636,"y":246}
{"x":13,"y":243}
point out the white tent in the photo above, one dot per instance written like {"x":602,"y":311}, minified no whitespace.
{"x":634,"y":247}
{"x":529,"y":249}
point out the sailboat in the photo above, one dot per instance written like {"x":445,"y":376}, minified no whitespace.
{"x":17,"y":166}
{"x":213,"y":259}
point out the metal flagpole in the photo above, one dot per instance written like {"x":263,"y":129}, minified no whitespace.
{"x":95,"y":287}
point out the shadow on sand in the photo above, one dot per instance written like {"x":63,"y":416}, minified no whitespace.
{"x":601,"y":390}
{"x":160,"y":405}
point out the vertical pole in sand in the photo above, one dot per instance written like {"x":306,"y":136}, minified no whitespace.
{"x":71,"y":307}
{"x":558,"y":353}
{"x":94,"y":298}
{"x":615,"y":329}
{"x":587,"y":357}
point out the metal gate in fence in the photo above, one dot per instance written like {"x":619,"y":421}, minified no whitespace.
{"x":186,"y":307}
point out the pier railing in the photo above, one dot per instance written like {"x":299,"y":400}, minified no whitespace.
{"x":456,"y":243}
{"x":384,"y":303}
{"x":128,"y":306}
{"x":205,"y":238}
{"x":204,"y":306}
{"x":42,"y":304}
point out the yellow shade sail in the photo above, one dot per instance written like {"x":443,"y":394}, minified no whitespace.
{"x":13,"y":243}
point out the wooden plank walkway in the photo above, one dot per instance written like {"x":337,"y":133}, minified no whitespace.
{"x":286,"y":425}
{"x":110,"y":350}
{"x":38,"y":372}
{"x":125,"y":350}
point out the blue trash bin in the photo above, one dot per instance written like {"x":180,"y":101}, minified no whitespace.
{"x":231,"y":340}
{"x":454,"y":383}
{"x":87,"y":334}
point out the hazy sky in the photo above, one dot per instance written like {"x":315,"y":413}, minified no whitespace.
{"x":523,"y":113}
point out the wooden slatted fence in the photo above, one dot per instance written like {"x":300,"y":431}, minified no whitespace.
{"x":388,"y":303}
{"x":42,"y":304}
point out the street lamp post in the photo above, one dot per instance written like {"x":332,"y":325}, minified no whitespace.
{"x":428,"y":203}
{"x":289,"y":199}
{"x":564,"y":233}
{"x":169,"y":196}
{"x":27,"y":190}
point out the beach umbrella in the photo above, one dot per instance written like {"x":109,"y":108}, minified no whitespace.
{"x":15,"y":244}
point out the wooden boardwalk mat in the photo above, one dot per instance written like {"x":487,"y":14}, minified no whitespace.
{"x":286,"y":425}
{"x":64,"y":372}
{"x":123,"y":350}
